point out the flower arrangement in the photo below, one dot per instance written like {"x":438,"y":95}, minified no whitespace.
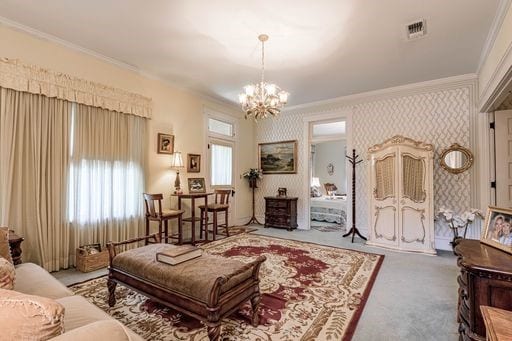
{"x":456,"y":222}
{"x":253,"y":173}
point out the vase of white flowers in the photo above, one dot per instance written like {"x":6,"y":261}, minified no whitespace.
{"x":252,"y":175}
{"x":459,"y":222}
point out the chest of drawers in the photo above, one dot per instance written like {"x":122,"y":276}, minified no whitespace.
{"x":281,"y":212}
{"x":485,"y":279}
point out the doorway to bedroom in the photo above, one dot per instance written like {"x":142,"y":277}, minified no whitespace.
{"x":328,"y":176}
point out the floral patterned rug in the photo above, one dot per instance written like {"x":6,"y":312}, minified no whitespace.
{"x":309,"y":292}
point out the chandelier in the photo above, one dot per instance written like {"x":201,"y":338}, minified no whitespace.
{"x":262,"y":99}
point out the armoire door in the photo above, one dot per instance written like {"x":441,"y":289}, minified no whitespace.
{"x":413,"y":204}
{"x":384,"y":229}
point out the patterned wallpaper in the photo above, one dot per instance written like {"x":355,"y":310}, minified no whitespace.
{"x":439,"y":117}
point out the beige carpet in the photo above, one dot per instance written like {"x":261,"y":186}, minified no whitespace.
{"x":310,"y":292}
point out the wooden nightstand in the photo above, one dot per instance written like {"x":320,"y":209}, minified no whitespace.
{"x":281,"y":212}
{"x":15,"y":244}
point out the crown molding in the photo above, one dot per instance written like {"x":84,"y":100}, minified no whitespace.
{"x":341,"y":103}
{"x":123,"y":65}
{"x":500,"y":15}
{"x":497,"y":87}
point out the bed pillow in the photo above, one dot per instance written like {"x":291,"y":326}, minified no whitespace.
{"x":28,"y":317}
{"x":315,"y":192}
{"x":5,"y":249}
{"x":7,"y":274}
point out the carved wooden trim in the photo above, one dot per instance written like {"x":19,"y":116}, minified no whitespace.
{"x":403,"y":141}
{"x":422,"y":219}
{"x":377,"y":212}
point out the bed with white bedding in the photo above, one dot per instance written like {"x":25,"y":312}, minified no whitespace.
{"x":329,"y":209}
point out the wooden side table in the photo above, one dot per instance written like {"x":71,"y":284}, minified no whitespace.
{"x":498,"y":323}
{"x":15,"y":245}
{"x":193,"y":218}
{"x":281,"y":212}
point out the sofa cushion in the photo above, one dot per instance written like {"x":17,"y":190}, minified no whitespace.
{"x":80,"y":312}
{"x":5,"y":249}
{"x":7,"y":274}
{"x":34,"y":280}
{"x":29,"y":317}
{"x":101,"y":330}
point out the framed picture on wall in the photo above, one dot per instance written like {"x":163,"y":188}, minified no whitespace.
{"x":196,"y":185}
{"x":278,"y":157}
{"x":498,"y":228}
{"x":165,"y":144}
{"x":193,"y":163}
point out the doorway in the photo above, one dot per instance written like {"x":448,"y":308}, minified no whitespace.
{"x":328,"y":176}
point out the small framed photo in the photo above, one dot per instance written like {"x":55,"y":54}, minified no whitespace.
{"x":165,"y":144}
{"x":193,"y":163}
{"x":498,"y":228}
{"x":196,"y":185}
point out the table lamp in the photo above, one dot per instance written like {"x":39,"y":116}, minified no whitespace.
{"x":177,"y":163}
{"x":315,"y":182}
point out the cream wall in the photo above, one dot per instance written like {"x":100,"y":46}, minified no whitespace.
{"x":175,"y":110}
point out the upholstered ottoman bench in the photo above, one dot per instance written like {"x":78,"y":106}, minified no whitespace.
{"x":207,"y":288}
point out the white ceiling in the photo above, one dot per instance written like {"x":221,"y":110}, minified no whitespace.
{"x":317,"y":49}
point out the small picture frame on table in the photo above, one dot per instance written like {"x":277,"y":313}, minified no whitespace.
{"x":165,"y":144}
{"x":196,"y":185}
{"x":193,"y":163}
{"x":498,"y":229}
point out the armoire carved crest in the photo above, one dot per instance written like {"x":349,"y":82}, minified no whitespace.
{"x":401,"y":195}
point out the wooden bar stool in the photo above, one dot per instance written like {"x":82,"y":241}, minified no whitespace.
{"x":221,"y":204}
{"x":162,"y":216}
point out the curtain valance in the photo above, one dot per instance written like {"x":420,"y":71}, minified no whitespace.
{"x":32,"y":79}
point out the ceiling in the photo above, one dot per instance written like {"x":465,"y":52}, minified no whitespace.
{"x":317,"y":49}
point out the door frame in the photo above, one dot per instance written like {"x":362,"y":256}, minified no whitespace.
{"x":308,"y":120}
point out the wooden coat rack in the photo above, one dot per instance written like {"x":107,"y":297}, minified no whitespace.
{"x":354,"y":161}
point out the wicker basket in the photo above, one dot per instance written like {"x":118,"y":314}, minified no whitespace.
{"x":87,"y":262}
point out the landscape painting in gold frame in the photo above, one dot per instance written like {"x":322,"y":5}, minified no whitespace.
{"x":498,"y":228}
{"x":278,"y":157}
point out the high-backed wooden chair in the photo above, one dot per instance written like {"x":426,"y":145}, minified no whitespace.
{"x":221,"y":204}
{"x":155,"y":213}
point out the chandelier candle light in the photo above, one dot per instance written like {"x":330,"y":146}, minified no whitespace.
{"x":262,"y":99}
{"x":177,"y":163}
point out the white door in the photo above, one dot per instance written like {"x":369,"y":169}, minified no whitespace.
{"x":503,"y":133}
{"x":221,"y":171}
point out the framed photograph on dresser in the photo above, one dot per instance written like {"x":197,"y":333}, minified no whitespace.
{"x":498,"y":228}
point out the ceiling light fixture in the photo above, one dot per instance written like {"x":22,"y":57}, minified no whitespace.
{"x":262,"y":99}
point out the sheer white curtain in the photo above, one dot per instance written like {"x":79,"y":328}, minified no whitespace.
{"x":106,"y":175}
{"x":221,"y":164}
{"x":34,"y":154}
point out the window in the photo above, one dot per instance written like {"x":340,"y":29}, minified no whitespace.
{"x":220,"y":128}
{"x":221,"y":164}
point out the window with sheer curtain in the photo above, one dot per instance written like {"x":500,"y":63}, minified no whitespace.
{"x":221,"y":168}
{"x":106,"y":178}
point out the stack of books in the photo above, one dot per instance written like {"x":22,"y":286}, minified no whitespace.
{"x":179,"y":254}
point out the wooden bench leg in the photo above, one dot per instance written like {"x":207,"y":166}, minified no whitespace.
{"x":214,"y":332}
{"x":255,"y":304}
{"x":111,"y":285}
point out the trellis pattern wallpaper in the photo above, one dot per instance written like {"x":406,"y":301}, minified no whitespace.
{"x":439,"y":117}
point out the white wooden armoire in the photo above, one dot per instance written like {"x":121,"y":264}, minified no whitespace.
{"x":402,"y":195}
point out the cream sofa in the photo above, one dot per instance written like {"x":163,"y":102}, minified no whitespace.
{"x":82,"y":320}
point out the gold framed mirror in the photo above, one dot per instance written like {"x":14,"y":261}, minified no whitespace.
{"x":456,"y":159}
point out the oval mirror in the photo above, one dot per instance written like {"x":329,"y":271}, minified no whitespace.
{"x":456,"y":159}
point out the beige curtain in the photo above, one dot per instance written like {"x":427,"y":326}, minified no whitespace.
{"x":106,"y":175}
{"x":34,"y":154}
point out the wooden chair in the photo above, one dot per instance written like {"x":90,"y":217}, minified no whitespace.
{"x":162,"y":216}
{"x":221,"y":204}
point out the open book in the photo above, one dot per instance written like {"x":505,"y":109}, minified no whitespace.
{"x":179,"y":254}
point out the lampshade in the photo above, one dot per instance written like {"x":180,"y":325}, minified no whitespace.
{"x":176,"y":160}
{"x":315,"y":182}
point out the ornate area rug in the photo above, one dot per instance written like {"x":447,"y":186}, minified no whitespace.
{"x":309,"y":292}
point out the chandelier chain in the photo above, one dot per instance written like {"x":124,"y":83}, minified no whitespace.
{"x":262,"y":61}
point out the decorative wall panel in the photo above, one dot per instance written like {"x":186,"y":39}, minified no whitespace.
{"x":439,"y":117}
